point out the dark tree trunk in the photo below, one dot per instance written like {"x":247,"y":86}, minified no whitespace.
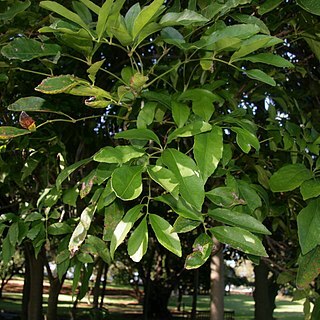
{"x":104,"y":284}
{"x":34,"y":289}
{"x":158,"y":298}
{"x":217,"y":283}
{"x":195,"y":293}
{"x":265,"y":292}
{"x":26,"y":288}
{"x":54,"y":291}
{"x":96,"y":289}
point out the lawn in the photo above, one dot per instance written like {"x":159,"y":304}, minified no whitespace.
{"x":121,"y":304}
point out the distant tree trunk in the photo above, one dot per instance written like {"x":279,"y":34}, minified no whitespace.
{"x":195,"y":294}
{"x":96,"y":288}
{"x":26,"y":288}
{"x":217,"y":282}
{"x":104,"y":284}
{"x":33,"y":296}
{"x":265,"y":292}
{"x":54,"y":291}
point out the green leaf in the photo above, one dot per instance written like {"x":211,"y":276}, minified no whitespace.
{"x":181,"y":207}
{"x":113,"y":214}
{"x":126,"y":182}
{"x":165,"y":234}
{"x":31,"y":104}
{"x":59,"y":84}
{"x":289,"y":177}
{"x":138,"y":134}
{"x":93,"y":70}
{"x":202,"y":248}
{"x":70,"y":196}
{"x":103,"y":18}
{"x":165,"y":178}
{"x":310,"y":189}
{"x":248,"y":195}
{"x":312,"y":6}
{"x":92,"y":6}
{"x":59,"y":228}
{"x":245,"y":18}
{"x":7,"y":251}
{"x":185,"y":18}
{"x":146,"y":115}
{"x":268,"y":6}
{"x":65,"y":173}
{"x":145,"y":16}
{"x":224,"y":197}
{"x":172,"y":36}
{"x":239,"y":239}
{"x":180,"y":113}
{"x":259,"y":75}
{"x":13,"y":233}
{"x":123,"y":227}
{"x":182,"y":225}
{"x":238,"y":219}
{"x":27,"y":49}
{"x":119,"y":154}
{"x":138,"y":241}
{"x":107,"y":197}
{"x":309,"y":268}
{"x":269,"y":58}
{"x":33,"y":216}
{"x":80,"y":232}
{"x":29,"y":166}
{"x":189,"y":130}
{"x":245,"y":139}
{"x":191,"y":185}
{"x":207,"y":149}
{"x":64,"y":12}
{"x":13,"y":9}
{"x":83,"y":11}
{"x":101,"y":247}
{"x":308,"y":226}
{"x":12,"y":132}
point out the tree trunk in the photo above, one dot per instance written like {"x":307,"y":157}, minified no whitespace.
{"x":96,"y":288}
{"x":195,"y":294}
{"x":265,"y":292}
{"x":54,"y":291}
{"x":34,"y":294}
{"x":217,"y":283}
{"x":26,"y":287}
{"x":104,"y":284}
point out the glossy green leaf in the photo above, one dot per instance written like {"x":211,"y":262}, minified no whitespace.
{"x":182,"y":225}
{"x":92,"y":6}
{"x":269,"y":58}
{"x":8,"y":250}
{"x":138,"y":241}
{"x":64,"y":12}
{"x":308,"y":226}
{"x":207,"y":149}
{"x":59,"y":228}
{"x":103,"y":18}
{"x":238,"y":219}
{"x":138,"y":134}
{"x":309,"y":268}
{"x":70,"y":196}
{"x":189,"y":130}
{"x":80,"y":232}
{"x":107,"y":197}
{"x":268,"y":6}
{"x":245,"y":139}
{"x":240,"y":239}
{"x":202,"y":248}
{"x":126,"y":182}
{"x":145,"y":16}
{"x":185,"y":18}
{"x":248,"y":195}
{"x":123,"y":227}
{"x":224,"y":197}
{"x":33,"y":216}
{"x":312,"y":6}
{"x":12,"y":132}
{"x":13,"y":233}
{"x":165,"y":178}
{"x":59,"y":84}
{"x":310,"y":189}
{"x":13,"y":9}
{"x":259,"y":75}
{"x":191,"y":185}
{"x":250,"y":19}
{"x":289,"y":177}
{"x":65,"y":173}
{"x":180,"y":113}
{"x":165,"y":234}
{"x":101,"y":247}
{"x":146,"y":115}
{"x":181,"y":207}
{"x":82,"y":11}
{"x":172,"y":36}
{"x":93,"y":70}
{"x":119,"y":154}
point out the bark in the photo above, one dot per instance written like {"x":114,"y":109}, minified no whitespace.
{"x":195,"y":294}
{"x":265,"y":292}
{"x":54,"y":291}
{"x":34,"y":290}
{"x":104,"y":284}
{"x":96,"y":288}
{"x":26,"y":288}
{"x":217,"y":283}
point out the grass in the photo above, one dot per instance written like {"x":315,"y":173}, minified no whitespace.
{"x":121,"y":304}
